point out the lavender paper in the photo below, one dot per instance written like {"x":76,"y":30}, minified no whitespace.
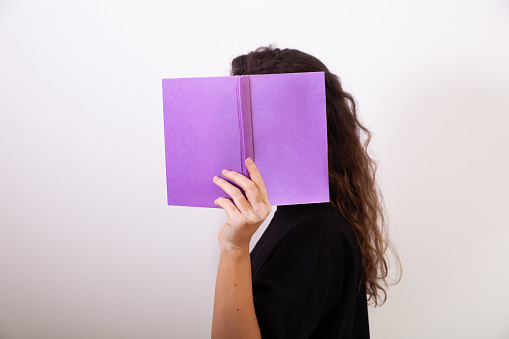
{"x":212,"y":123}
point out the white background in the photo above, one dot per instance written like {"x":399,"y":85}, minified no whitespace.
{"x":88,"y":246}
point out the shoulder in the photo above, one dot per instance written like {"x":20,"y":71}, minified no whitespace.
{"x":305,"y":228}
{"x":318,"y":223}
{"x":301,"y":240}
{"x":337,"y":229}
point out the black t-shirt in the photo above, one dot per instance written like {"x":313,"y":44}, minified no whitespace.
{"x":306,"y":270}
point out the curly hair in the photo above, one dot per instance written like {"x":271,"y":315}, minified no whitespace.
{"x":352,"y":184}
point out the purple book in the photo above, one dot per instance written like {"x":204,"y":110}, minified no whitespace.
{"x":213,"y":123}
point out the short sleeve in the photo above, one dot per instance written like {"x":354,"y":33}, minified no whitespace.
{"x":279,"y":317}
{"x":282,"y":289}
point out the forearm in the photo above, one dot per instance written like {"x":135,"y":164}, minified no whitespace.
{"x":234,"y":314}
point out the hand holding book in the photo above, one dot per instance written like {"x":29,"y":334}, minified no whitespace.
{"x":247,"y":212}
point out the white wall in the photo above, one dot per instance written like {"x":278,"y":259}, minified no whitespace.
{"x":88,"y":247}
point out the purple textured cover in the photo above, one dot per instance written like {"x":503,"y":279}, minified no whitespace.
{"x":213,"y":123}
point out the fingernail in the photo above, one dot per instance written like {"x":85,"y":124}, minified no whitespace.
{"x":249,"y":161}
{"x":225,"y":171}
{"x":215,"y":177}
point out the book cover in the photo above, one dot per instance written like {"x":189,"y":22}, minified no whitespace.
{"x":213,"y":123}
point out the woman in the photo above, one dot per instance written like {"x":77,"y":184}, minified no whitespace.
{"x":316,"y":266}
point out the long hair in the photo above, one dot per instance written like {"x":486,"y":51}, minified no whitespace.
{"x":352,"y":186}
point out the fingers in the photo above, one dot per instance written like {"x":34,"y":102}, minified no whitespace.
{"x":240,"y":201}
{"x":256,"y":192}
{"x":256,"y":177}
{"x":227,"y":205}
{"x":251,"y":189}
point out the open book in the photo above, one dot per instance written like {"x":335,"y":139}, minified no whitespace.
{"x":215,"y":123}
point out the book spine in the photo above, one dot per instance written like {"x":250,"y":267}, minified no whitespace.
{"x":245,"y":121}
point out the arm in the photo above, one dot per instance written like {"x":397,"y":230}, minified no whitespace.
{"x":234,"y":313}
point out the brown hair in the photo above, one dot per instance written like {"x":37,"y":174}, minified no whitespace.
{"x":352,"y":186}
